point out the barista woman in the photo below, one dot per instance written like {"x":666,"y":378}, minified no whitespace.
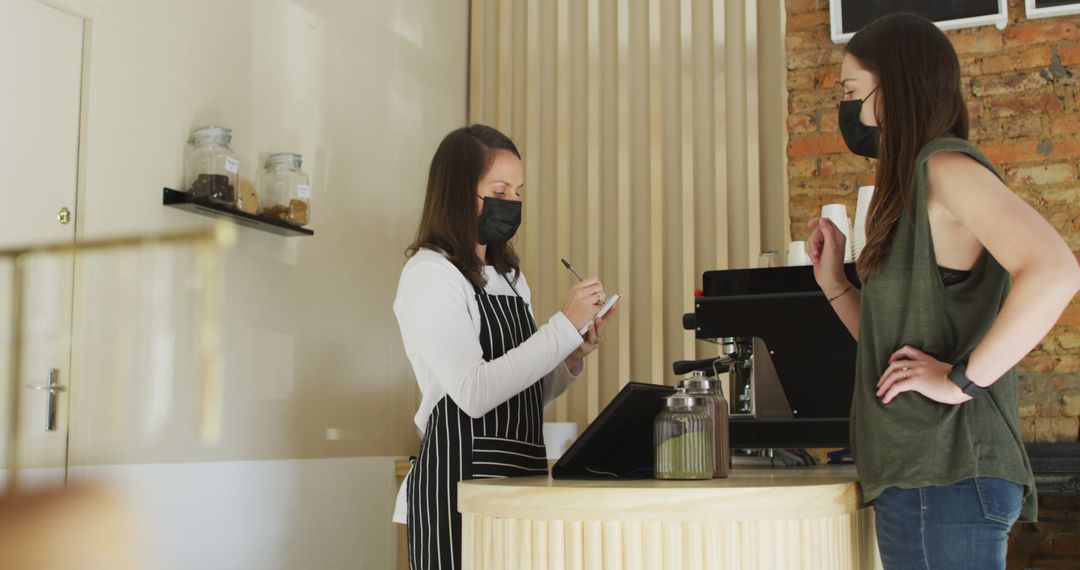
{"x":484,"y":368}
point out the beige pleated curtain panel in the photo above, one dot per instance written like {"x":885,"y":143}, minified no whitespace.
{"x":644,"y":126}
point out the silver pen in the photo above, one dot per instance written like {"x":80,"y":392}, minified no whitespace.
{"x":571,"y":268}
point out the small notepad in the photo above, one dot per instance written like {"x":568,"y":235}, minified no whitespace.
{"x":603,"y":311}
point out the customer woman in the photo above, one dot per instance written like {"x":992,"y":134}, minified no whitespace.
{"x":484,"y":368}
{"x":940,"y":328}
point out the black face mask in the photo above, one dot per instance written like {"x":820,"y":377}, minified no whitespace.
{"x":861,"y":139}
{"x":499,"y":221}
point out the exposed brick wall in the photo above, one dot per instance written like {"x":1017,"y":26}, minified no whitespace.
{"x":1053,"y":543}
{"x":1021,"y":85}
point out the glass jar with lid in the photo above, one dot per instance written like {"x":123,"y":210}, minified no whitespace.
{"x":699,"y":385}
{"x":682,"y":436}
{"x":286,"y":192}
{"x":210,"y":165}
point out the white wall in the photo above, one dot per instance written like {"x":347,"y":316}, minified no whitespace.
{"x":304,"y":514}
{"x":318,"y":395}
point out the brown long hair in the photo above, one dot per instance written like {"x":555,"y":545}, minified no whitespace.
{"x":918,"y":100}
{"x":449,"y":219}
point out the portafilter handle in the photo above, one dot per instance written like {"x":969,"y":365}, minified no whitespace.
{"x":710,"y":366}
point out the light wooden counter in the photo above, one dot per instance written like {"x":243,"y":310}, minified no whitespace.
{"x":757,"y":518}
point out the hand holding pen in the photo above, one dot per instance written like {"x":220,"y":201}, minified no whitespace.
{"x":583,"y":299}
{"x":587,"y":295}
{"x":598,"y":292}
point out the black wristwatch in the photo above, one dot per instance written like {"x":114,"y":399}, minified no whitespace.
{"x":958,"y":376}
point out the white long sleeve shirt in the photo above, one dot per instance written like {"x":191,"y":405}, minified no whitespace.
{"x":439,"y":318}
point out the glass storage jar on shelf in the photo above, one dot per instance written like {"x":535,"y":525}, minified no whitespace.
{"x":210,"y":165}
{"x":285,"y":192}
{"x":698,"y":385}
{"x":682,"y":436}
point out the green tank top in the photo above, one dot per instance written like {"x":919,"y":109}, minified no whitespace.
{"x":915,"y":441}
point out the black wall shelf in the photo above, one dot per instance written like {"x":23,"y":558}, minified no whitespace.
{"x":184,"y":201}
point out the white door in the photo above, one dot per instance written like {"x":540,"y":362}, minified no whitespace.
{"x":41,"y":55}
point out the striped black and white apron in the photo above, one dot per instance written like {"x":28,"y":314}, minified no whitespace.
{"x":507,"y":442}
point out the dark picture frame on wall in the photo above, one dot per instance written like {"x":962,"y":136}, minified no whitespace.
{"x":1051,"y":8}
{"x":849,"y":16}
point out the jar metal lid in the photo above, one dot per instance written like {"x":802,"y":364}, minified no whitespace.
{"x":681,"y":399}
{"x":284,"y":157}
{"x":211,"y":131}
{"x":699,"y":384}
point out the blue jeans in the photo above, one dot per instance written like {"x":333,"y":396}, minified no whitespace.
{"x":955,"y":527}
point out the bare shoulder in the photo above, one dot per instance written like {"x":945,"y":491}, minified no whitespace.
{"x":963,"y":190}
{"x":951,"y":163}
{"x":955,"y":177}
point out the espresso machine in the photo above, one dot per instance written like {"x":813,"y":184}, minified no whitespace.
{"x":789,"y":359}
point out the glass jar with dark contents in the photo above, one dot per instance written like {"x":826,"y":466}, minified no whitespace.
{"x":210,"y":165}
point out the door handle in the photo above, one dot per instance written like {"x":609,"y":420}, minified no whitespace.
{"x":55,"y":389}
{"x":64,"y":216}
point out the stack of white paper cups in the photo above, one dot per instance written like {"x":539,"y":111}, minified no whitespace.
{"x":796,"y":254}
{"x":837,"y":214}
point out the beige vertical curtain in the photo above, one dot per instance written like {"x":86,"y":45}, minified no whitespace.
{"x":640,"y":126}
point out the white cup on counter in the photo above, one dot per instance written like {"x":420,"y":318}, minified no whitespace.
{"x":558,"y":437}
{"x":796,"y":254}
{"x":837,"y":214}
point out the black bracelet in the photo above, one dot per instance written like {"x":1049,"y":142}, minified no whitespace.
{"x":958,"y":376}
{"x":844,"y":292}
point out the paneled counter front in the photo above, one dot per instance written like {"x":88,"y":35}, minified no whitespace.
{"x":782,"y":518}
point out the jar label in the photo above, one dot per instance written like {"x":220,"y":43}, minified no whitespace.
{"x":303,"y":191}
{"x":232,"y":165}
